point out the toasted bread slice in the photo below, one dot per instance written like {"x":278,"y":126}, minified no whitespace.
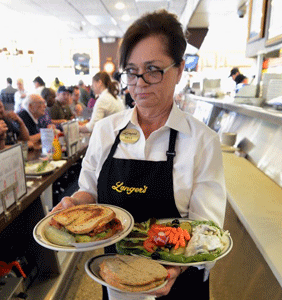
{"x":132,"y":271}
{"x":130,"y":288}
{"x":84,"y":218}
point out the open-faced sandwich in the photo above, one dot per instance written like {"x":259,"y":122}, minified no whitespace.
{"x":180,"y":241}
{"x":131,"y":273}
{"x":82,"y":224}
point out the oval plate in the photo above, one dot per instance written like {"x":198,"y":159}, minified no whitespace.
{"x":92,"y":269}
{"x":124,"y":216}
{"x":31,"y":167}
{"x":225,"y":251}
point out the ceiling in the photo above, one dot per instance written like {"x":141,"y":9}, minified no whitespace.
{"x":98,"y":18}
{"x":213,"y":12}
{"x":84,"y":18}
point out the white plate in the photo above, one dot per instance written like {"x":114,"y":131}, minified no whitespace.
{"x":92,"y":269}
{"x":225,"y":251}
{"x":31,"y":168}
{"x":124,"y":216}
{"x":226,"y":148}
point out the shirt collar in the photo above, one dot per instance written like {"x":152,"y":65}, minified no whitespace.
{"x":176,"y":120}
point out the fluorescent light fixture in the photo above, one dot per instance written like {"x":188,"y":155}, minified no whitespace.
{"x":119,"y":5}
{"x":100,"y":20}
{"x":125,"y":18}
{"x":114,"y":21}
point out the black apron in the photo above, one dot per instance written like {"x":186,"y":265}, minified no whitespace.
{"x":145,"y":189}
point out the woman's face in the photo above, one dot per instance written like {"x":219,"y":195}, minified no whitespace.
{"x":150,"y":55}
{"x":97,"y":87}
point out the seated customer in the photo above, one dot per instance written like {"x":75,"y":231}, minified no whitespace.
{"x":12,"y":128}
{"x":49,"y":95}
{"x":76,"y":106}
{"x":60,"y":111}
{"x":34,"y":108}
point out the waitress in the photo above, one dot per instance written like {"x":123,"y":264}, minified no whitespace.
{"x":172,"y":159}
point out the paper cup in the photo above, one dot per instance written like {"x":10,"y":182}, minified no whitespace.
{"x":228,"y":138}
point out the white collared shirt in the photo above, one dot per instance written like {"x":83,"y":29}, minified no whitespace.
{"x":105,"y":106}
{"x":198,"y":178}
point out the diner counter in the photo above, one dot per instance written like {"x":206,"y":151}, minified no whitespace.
{"x":268,"y":114}
{"x":257,"y":201}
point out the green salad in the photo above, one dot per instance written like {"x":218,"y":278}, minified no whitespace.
{"x":180,"y":240}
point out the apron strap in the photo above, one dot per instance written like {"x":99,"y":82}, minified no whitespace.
{"x":170,"y":153}
{"x":114,"y":147}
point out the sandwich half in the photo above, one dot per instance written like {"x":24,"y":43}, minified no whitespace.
{"x":131,"y":273}
{"x":95,"y":221}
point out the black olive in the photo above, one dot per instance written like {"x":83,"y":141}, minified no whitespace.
{"x":169,"y":246}
{"x":159,"y":249}
{"x":175,"y":225}
{"x":156,"y":255}
{"x":175,"y":221}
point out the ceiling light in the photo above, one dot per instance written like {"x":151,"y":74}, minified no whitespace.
{"x":112,"y":32}
{"x":119,"y":5}
{"x":125,"y":18}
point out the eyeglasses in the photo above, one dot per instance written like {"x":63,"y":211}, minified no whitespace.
{"x":150,"y":77}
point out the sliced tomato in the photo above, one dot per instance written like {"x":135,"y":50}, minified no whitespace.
{"x":149,"y":245}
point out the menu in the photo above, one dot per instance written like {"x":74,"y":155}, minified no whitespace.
{"x":12,"y":176}
{"x":71,"y":131}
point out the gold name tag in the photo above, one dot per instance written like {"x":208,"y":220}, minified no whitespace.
{"x":129,"y":136}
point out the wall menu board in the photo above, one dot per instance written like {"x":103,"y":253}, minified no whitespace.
{"x":257,"y":9}
{"x":12,"y":176}
{"x":274,"y":32}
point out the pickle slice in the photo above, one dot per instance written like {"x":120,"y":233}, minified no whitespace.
{"x":186,"y":226}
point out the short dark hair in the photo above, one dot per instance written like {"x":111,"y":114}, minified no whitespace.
{"x":39,"y":80}
{"x":160,"y":22}
{"x":234,"y":71}
{"x":9,"y":80}
{"x":72,"y":88}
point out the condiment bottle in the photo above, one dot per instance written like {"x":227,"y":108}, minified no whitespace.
{"x":57,"y":150}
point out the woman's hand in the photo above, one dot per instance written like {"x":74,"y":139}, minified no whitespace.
{"x":79,"y":197}
{"x":66,"y":202}
{"x":173,"y":273}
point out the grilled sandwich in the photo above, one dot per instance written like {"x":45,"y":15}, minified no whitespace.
{"x":92,"y":222}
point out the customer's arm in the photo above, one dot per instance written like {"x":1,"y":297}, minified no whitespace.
{"x":24,"y":134}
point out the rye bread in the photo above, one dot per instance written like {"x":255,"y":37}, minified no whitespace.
{"x":130,"y":288}
{"x":132,"y":272}
{"x":84,"y":218}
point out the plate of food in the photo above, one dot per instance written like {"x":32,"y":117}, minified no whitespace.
{"x":83,"y":228}
{"x":39,"y":167}
{"x":177,"y":242}
{"x":126,"y":273}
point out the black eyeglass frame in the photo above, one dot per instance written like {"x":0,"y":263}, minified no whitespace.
{"x":137,"y":76}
